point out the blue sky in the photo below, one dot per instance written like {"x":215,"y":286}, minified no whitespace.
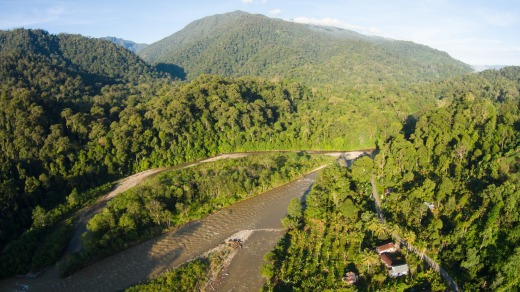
{"x":474,"y":31}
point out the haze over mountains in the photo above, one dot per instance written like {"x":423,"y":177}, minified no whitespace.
{"x":480,"y":68}
{"x":130,"y":45}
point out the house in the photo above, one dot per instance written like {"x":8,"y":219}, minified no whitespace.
{"x":389,"y":247}
{"x":389,"y":256}
{"x":397,"y":271}
{"x":350,"y":278}
{"x":386,"y":259}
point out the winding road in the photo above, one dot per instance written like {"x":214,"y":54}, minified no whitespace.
{"x":259,"y":214}
{"x":125,"y":184}
{"x":433,"y":264}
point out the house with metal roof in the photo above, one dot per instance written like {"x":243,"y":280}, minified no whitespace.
{"x":386,"y":259}
{"x":397,"y":271}
{"x":389,"y":247}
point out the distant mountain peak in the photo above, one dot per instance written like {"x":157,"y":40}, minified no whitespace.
{"x":480,"y":68}
{"x":239,"y":43}
{"x":129,"y":45}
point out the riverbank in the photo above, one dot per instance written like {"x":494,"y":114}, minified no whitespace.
{"x":155,"y":258}
{"x":170,"y":250}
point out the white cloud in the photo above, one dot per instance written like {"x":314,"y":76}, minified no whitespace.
{"x":247,"y":1}
{"x":327,"y":21}
{"x":275,"y":11}
{"x":55,"y":11}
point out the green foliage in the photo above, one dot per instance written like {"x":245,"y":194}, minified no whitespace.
{"x":362,"y":169}
{"x":44,"y":243}
{"x":458,"y":158}
{"x":461,"y":159}
{"x":240,"y":44}
{"x":332,"y":240}
{"x":188,"y":277}
{"x":77,"y":112}
{"x":294,"y":214}
{"x":47,"y":89}
{"x":195,"y":275}
{"x":52,"y":248}
{"x":176,"y":197}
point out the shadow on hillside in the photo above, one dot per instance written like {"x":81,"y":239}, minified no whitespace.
{"x":174,"y":70}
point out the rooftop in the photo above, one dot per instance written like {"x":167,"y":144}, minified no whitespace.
{"x":386,"y":259}
{"x":400,"y":270}
{"x":389,"y":247}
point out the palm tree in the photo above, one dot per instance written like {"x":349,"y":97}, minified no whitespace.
{"x":377,"y":228}
{"x":369,"y":258}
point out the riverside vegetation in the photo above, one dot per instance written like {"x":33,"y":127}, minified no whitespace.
{"x":77,"y":113}
{"x":337,"y":232}
{"x":195,"y":275}
{"x":176,"y":197}
{"x":462,"y":159}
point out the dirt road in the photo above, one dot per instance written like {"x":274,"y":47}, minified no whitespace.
{"x":433,"y":264}
{"x":172,"y":249}
{"x":150,"y":258}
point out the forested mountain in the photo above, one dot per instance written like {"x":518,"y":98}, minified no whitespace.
{"x":77,"y":112}
{"x":50,"y":86}
{"x":129,"y":45}
{"x":238,"y":44}
{"x":93,"y":60}
{"x":452,"y":180}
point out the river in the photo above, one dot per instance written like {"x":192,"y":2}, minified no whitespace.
{"x":168,"y":250}
{"x":260,"y":214}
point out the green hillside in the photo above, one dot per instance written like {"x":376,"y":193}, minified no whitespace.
{"x":238,"y":44}
{"x":453,"y":194}
{"x":77,"y":112}
{"x":50,"y":108}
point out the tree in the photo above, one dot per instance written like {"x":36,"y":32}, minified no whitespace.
{"x":369,"y":258}
{"x":40,"y":217}
{"x":362,"y":169}
{"x":155,"y":209}
{"x":294,"y":210}
{"x":294,"y":214}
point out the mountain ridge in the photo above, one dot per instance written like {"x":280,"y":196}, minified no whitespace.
{"x":92,"y":59}
{"x":127,"y":44}
{"x":238,"y":43}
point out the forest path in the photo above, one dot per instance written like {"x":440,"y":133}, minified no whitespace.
{"x":432,"y":263}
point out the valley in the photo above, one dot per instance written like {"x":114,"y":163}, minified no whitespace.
{"x":121,"y":161}
{"x":172,"y":249}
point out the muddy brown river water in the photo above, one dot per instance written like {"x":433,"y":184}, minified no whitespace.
{"x":259,"y":216}
{"x":172,"y":249}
